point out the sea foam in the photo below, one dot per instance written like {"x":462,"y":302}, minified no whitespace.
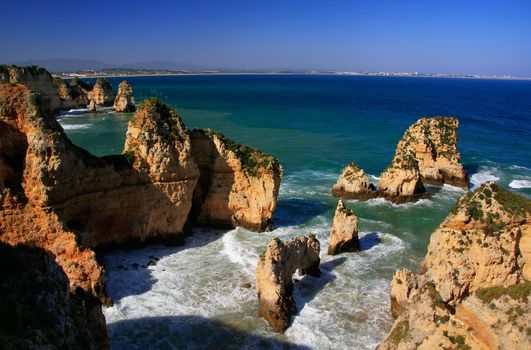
{"x":518,"y":184}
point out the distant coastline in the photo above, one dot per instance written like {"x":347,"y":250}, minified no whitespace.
{"x":117,"y":73}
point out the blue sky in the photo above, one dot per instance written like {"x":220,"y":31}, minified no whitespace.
{"x":484,"y":37}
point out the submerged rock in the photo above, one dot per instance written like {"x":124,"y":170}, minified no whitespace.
{"x":274,"y":271}
{"x":474,"y":287}
{"x":125,"y":100}
{"x":38,"y":311}
{"x":344,"y":235}
{"x":353,"y":183}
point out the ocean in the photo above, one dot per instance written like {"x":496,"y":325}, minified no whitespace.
{"x":196,"y":297}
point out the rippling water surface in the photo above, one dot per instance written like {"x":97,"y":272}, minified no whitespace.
{"x":196,"y":295}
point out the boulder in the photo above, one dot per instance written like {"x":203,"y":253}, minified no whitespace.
{"x":344,"y":235}
{"x":274,"y":271}
{"x":353,"y":183}
{"x":125,"y":100}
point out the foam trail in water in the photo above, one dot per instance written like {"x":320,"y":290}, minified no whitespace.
{"x":75,"y":126}
{"x":517,"y":184}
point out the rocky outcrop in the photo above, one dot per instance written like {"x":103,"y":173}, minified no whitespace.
{"x":80,"y":92}
{"x":125,"y":100}
{"x":274,"y":271}
{"x":38,"y":311}
{"x":102,"y":93}
{"x":238,"y":185}
{"x":353,"y":183}
{"x":56,"y":196}
{"x":474,"y":289}
{"x":426,"y":154}
{"x":37,"y":79}
{"x":344,"y":235}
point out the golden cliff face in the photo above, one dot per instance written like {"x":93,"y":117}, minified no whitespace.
{"x":238,"y":184}
{"x":102,"y":93}
{"x":59,"y":197}
{"x":426,"y":154}
{"x":474,"y":287}
{"x":125,"y":100}
{"x":344,"y":235}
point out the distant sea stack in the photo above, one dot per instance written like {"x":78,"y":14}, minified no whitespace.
{"x":125,"y":100}
{"x":474,"y":288}
{"x":426,"y":154}
{"x":344,"y":235}
{"x":72,"y":201}
{"x":102,"y":93}
{"x":274,"y":271}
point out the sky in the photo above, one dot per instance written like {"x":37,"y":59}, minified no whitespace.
{"x":462,"y":37}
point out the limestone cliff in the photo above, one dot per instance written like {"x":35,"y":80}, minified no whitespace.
{"x":238,"y":184}
{"x":473,"y":290}
{"x":125,"y":100}
{"x":38,"y":311}
{"x":57,"y":196}
{"x":274,"y":271}
{"x":427,"y":153}
{"x":37,"y":79}
{"x":102,"y":93}
{"x":344,"y":235}
{"x":353,"y":183}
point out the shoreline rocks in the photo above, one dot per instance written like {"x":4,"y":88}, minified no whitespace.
{"x":344,"y":235}
{"x":274,"y":281}
{"x":102,"y":93}
{"x":474,"y":288}
{"x":73,"y":202}
{"x":426,"y":154}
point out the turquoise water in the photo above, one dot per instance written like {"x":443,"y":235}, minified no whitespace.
{"x":314,"y":125}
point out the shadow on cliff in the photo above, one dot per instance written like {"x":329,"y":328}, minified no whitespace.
{"x":133,"y":267}
{"x":306,"y":289}
{"x":296,"y":211}
{"x":189,"y":332}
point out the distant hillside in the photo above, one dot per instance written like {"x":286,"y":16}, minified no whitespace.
{"x":58,"y":65}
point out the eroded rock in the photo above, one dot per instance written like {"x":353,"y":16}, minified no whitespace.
{"x":344,"y":235}
{"x":274,"y":271}
{"x":102,"y":93}
{"x":474,"y":289}
{"x":353,"y":183}
{"x":125,"y":100}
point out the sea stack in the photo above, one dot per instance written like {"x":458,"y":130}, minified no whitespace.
{"x":102,"y":93}
{"x":353,"y":183}
{"x":274,"y":271}
{"x":344,"y":235}
{"x":474,"y":287}
{"x":72,"y":202}
{"x":125,"y":100}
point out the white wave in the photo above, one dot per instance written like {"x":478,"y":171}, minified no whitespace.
{"x":384,"y":202}
{"x":483,"y":176}
{"x":450,"y":188}
{"x":238,"y":253}
{"x":520,"y":184}
{"x":373,"y":178}
{"x":518,"y":167}
{"x":75,"y":126}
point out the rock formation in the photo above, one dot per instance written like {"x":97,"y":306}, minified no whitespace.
{"x":426,"y":154}
{"x":38,"y":311}
{"x":238,"y":184}
{"x":102,"y":93}
{"x":125,"y":100}
{"x":474,"y":287}
{"x":344,"y":236}
{"x":71,"y":201}
{"x":274,"y":271}
{"x":37,"y":79}
{"x":353,"y":183}
{"x":80,"y":92}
